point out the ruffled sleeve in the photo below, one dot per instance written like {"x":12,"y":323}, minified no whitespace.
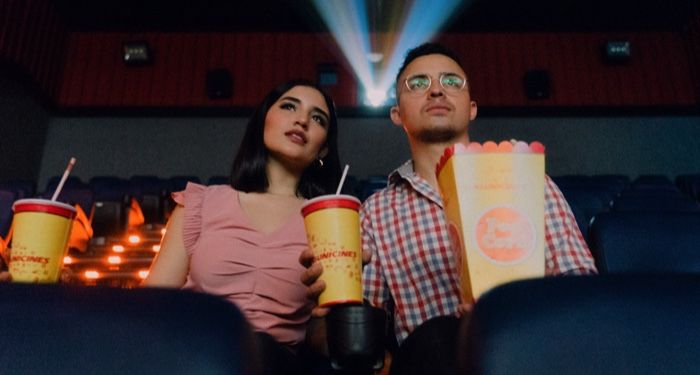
{"x":192,"y":199}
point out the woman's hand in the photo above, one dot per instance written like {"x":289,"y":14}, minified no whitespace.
{"x":4,"y":263}
{"x":66,"y":277}
{"x":5,"y":276}
{"x":310,"y":278}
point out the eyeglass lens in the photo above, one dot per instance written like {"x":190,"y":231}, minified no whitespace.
{"x":421,"y":82}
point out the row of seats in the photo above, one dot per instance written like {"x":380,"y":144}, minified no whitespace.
{"x":589,"y":196}
{"x":606,"y":325}
{"x":615,"y":324}
{"x":106,"y":200}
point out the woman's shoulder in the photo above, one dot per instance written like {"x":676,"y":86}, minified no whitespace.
{"x":215,"y":192}
{"x":199,"y":193}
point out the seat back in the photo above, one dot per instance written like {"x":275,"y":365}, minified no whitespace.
{"x":7,"y":198}
{"x":646,"y":242}
{"x":58,"y":329}
{"x":603,"y":325}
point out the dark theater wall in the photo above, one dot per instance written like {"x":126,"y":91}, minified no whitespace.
{"x":658,"y":74}
{"x":692,"y":42}
{"x":23,"y":124}
{"x":126,"y":146}
{"x":95,"y":75}
{"x":78,"y":95}
{"x":32,"y":39}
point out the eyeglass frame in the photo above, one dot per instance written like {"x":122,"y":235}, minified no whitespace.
{"x":430,"y":82}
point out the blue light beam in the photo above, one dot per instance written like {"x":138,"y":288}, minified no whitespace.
{"x":347,"y":22}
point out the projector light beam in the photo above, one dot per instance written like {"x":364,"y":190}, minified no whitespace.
{"x":418,"y":21}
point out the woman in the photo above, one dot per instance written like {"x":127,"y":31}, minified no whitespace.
{"x":242,"y":242}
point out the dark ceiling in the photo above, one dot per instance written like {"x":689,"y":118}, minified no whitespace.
{"x":300,"y":16}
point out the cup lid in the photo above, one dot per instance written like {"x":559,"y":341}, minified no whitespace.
{"x":44,"y":205}
{"x":330,"y":201}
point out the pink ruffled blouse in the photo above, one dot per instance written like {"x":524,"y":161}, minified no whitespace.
{"x":256,"y":271}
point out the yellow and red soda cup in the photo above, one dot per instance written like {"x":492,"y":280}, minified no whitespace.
{"x":332,"y":225}
{"x":40,"y":238}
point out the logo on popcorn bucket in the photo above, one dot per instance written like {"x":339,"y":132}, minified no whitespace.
{"x":505,"y":236}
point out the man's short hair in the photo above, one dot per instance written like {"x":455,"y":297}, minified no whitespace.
{"x":424,"y":49}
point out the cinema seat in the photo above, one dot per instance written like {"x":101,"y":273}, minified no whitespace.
{"x":7,"y":198}
{"x":603,"y":325}
{"x":219,"y":180}
{"x":646,"y":242}
{"x":150,"y":192}
{"x":59,"y":329}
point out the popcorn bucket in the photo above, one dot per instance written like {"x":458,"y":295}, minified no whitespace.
{"x":494,"y":202}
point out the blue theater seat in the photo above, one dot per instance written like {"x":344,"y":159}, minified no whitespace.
{"x":7,"y":198}
{"x":151,"y":193}
{"x":660,"y":201}
{"x":71,"y":181}
{"x":689,"y":184}
{"x":646,"y":242}
{"x":22,"y":188}
{"x":369,"y":186}
{"x":602,"y":325}
{"x":219,"y":180}
{"x":59,"y":329}
{"x":80,"y":195}
{"x":112,"y":200}
{"x":653,"y":182}
{"x":589,"y":202}
{"x":178,"y":183}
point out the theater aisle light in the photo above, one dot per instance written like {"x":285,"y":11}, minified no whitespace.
{"x":118,"y":248}
{"x":406,"y":25}
{"x":143,"y":274}
{"x":114,"y":259}
{"x":91,"y":274}
{"x":134,"y":239}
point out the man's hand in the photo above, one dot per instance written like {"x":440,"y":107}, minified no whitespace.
{"x":310,"y":278}
{"x":464,"y":309}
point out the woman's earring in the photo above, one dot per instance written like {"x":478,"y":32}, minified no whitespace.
{"x":320,"y":163}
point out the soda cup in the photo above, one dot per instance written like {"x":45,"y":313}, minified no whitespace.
{"x":41,"y":230}
{"x":332,"y":225}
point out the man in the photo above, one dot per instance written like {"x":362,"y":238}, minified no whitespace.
{"x":411,"y":271}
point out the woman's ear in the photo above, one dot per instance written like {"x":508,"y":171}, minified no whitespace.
{"x":324,"y":151}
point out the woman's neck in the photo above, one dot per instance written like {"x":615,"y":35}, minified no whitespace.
{"x":281,"y":181}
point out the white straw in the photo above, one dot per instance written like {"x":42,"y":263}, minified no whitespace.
{"x":342,"y":179}
{"x":71,"y":163}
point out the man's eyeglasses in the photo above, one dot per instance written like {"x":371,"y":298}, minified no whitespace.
{"x":420,"y":83}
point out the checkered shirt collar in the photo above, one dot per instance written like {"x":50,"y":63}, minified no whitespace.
{"x":405,"y":173}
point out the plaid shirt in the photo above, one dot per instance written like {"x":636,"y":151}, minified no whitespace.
{"x":412,"y":270}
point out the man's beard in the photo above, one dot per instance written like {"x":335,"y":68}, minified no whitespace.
{"x":437,"y":135}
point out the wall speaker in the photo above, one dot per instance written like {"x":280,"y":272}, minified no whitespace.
{"x":617,"y":52}
{"x":219,"y":83}
{"x":537,"y":84}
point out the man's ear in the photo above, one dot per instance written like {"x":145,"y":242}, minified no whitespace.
{"x":472,"y":110}
{"x":395,"y":115}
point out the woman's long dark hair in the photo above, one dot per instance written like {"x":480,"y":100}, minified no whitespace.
{"x":249,"y":174}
